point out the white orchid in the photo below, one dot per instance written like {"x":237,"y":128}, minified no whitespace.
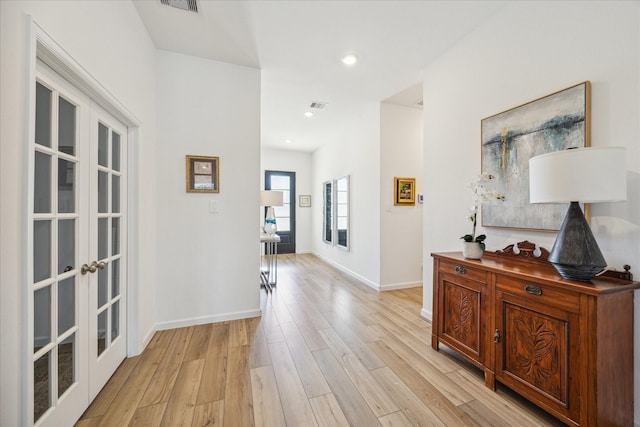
{"x":481,"y":194}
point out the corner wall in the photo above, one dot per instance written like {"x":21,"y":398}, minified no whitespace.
{"x":525,"y":51}
{"x":400,"y":226}
{"x":208,"y":268}
{"x":355,"y":152}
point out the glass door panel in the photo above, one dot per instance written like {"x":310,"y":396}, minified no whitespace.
{"x":107,"y":344}
{"x":54,"y":283}
{"x":43,"y":115}
{"x":42,"y":183}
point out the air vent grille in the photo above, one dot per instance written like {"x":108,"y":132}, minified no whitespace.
{"x":318,"y":105}
{"x":189,"y":5}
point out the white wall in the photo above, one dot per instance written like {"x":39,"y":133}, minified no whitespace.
{"x":355,"y":152}
{"x":400,"y":226}
{"x":121,"y":57}
{"x":300,"y":163}
{"x":208,"y":268}
{"x":525,"y":51}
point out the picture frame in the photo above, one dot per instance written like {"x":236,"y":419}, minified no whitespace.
{"x":202,"y":174}
{"x":404,"y":191}
{"x":557,"y":121}
{"x":304,"y":201}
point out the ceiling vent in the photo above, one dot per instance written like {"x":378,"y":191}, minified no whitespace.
{"x":188,"y":5}
{"x":318,"y":105}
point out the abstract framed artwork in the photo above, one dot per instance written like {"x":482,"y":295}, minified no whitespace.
{"x":404,"y":191}
{"x":203,"y":174}
{"x":558,"y":121}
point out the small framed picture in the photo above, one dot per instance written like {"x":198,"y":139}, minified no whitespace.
{"x":203,"y":174}
{"x":304,"y":201}
{"x":404,"y":191}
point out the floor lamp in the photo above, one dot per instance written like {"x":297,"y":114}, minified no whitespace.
{"x":578,"y":175}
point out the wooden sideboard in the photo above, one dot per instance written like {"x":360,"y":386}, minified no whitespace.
{"x":566,"y":346}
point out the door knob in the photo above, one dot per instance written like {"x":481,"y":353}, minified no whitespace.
{"x":92,"y":268}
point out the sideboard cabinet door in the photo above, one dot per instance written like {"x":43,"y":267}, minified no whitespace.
{"x":462,"y":302}
{"x":537,"y":352}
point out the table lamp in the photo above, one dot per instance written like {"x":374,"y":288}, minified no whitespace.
{"x":587,"y":175}
{"x":269,"y":199}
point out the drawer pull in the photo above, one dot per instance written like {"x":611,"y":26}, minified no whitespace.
{"x":532,"y":289}
{"x":460,"y":269}
{"x":496,"y":336}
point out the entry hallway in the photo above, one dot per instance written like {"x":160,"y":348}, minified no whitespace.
{"x":328,"y":351}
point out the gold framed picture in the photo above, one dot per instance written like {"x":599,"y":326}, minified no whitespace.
{"x":404,"y":191}
{"x":304,"y":201}
{"x":203,"y":174}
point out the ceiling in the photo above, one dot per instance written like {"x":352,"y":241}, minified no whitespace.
{"x":298,"y":46}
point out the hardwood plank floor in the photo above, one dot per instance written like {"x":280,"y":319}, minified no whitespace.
{"x":327,"y":351}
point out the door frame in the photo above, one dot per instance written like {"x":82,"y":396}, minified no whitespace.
{"x":46,"y":49}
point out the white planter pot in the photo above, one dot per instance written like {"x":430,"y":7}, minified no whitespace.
{"x":471,"y":250}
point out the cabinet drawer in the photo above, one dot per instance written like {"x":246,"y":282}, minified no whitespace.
{"x":463,"y":270}
{"x":536,"y":292}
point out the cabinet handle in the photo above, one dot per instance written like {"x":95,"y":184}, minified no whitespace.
{"x":532,"y":289}
{"x":460,"y":269}
{"x":496,"y":336}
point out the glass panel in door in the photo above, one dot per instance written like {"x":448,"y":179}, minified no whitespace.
{"x":54,"y":284}
{"x":107,"y":346}
{"x":109,"y":214}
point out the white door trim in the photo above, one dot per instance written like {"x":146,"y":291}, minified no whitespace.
{"x":44,"y":47}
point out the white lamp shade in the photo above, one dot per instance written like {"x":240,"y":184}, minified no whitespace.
{"x":271,"y":198}
{"x":588,"y":175}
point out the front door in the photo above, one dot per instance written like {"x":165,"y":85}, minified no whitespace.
{"x":285,"y":214}
{"x":76,"y":300}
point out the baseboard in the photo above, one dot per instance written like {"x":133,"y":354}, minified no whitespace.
{"x":426,"y":314}
{"x":147,"y":338}
{"x":405,"y":285}
{"x":191,"y":321}
{"x":342,"y":268}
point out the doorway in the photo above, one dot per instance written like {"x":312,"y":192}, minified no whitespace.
{"x":285,"y":214}
{"x":77,"y":263}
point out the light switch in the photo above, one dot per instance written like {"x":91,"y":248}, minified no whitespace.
{"x":214,"y":206}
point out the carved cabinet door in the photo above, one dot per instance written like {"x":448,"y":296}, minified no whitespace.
{"x":462,"y":302}
{"x":534,"y":352}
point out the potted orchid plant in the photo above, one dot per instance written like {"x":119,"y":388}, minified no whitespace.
{"x":474,"y":245}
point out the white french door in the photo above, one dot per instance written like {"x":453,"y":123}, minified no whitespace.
{"x":77,"y":268}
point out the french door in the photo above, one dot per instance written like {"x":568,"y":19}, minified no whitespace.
{"x":285,"y":214}
{"x":77,"y":268}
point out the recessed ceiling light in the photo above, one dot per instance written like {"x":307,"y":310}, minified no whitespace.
{"x":288,"y":141}
{"x":349,"y":59}
{"x":308,"y":114}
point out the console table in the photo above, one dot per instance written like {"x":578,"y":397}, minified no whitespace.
{"x":566,"y":346}
{"x":269,"y":265}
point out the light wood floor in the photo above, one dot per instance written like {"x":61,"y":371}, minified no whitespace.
{"x":328,"y":351}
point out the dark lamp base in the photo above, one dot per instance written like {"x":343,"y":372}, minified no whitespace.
{"x":575,"y":254}
{"x":582,"y":273}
